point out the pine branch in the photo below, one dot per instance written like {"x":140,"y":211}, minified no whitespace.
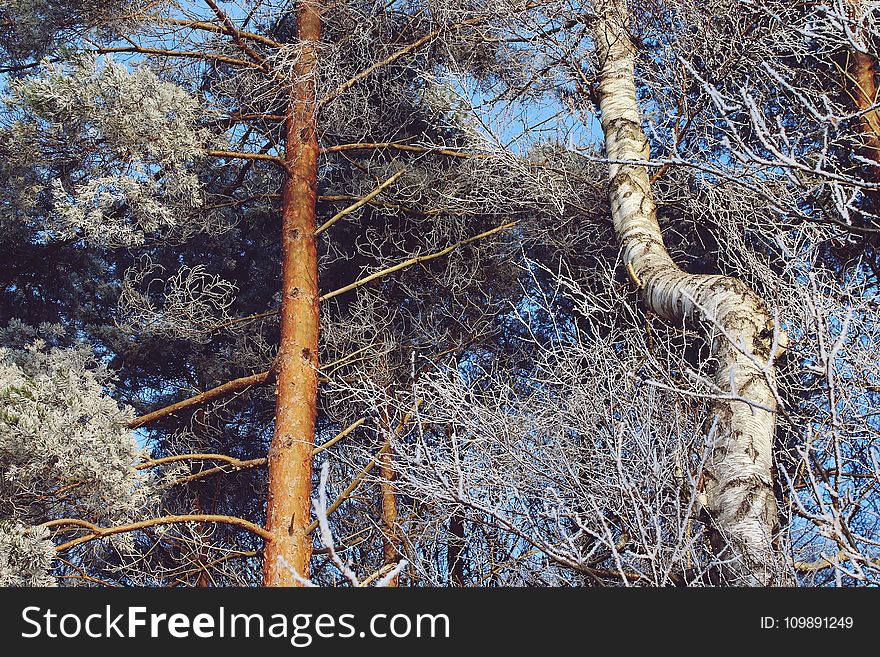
{"x":210,"y":27}
{"x":247,"y":156}
{"x":102,"y":532}
{"x":378,"y":274}
{"x":381,"y":204}
{"x":405,"y":50}
{"x":344,"y":495}
{"x":235,"y":463}
{"x":227,"y":388}
{"x":236,"y":35}
{"x":360,"y":203}
{"x":176,"y":458}
{"x":364,"y":146}
{"x":414,"y":261}
{"x":177,"y":53}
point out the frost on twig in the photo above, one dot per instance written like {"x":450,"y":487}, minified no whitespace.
{"x":382,"y":578}
{"x":130,"y":142}
{"x":190,"y":304}
{"x":64,"y":448}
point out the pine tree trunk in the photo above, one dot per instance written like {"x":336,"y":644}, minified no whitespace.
{"x":862,"y":72}
{"x":389,"y":500}
{"x":389,"y":512}
{"x":861,"y":78}
{"x":454,"y":550}
{"x":739,"y":496}
{"x":288,"y":512}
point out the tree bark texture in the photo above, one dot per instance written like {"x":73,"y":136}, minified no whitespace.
{"x":389,"y":512}
{"x":738,"y":482}
{"x":288,"y":512}
{"x":389,"y":499}
{"x":455,"y":550}
{"x":861,"y":78}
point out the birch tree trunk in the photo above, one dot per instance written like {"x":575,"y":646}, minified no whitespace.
{"x":738,"y":482}
{"x":288,"y":512}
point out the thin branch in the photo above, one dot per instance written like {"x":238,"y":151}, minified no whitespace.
{"x":359,"y":204}
{"x":102,"y":532}
{"x":83,"y":575}
{"x":210,"y":27}
{"x":257,"y":117}
{"x":339,"y":436}
{"x":393,"y":57}
{"x":363,"y":146}
{"x":236,"y":36}
{"x":348,"y":84}
{"x":227,"y":388}
{"x":344,"y":495}
{"x":177,"y":53}
{"x":824,"y":562}
{"x":414,"y":261}
{"x":236,"y":464}
{"x":231,"y":460}
{"x":378,"y":274}
{"x":334,"y":198}
{"x":179,"y":575}
{"x":204,"y":474}
{"x":21,"y":67}
{"x":247,"y":156}
{"x":248,"y":318}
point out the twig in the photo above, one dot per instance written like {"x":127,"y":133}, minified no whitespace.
{"x":359,"y":204}
{"x":203,"y":398}
{"x":102,"y":532}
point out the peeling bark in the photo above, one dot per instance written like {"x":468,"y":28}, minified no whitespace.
{"x":738,"y":491}
{"x":288,"y":511}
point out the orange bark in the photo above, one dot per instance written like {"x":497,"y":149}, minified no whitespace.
{"x":389,"y":500}
{"x":227,"y":388}
{"x":862,"y":75}
{"x":861,"y":79}
{"x":389,"y":512}
{"x":288,"y":510}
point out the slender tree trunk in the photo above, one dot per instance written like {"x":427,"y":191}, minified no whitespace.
{"x":389,"y":500}
{"x":389,"y":512}
{"x":204,"y":579}
{"x":738,"y":490}
{"x":288,"y":512}
{"x":861,"y":82}
{"x":863,"y":75}
{"x":454,"y":549}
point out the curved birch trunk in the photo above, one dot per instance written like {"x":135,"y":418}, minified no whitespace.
{"x":288,"y":508}
{"x":738,"y":482}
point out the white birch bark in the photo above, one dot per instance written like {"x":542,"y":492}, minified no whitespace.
{"x":738,"y":483}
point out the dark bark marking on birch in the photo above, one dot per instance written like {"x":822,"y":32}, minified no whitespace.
{"x":738,"y":485}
